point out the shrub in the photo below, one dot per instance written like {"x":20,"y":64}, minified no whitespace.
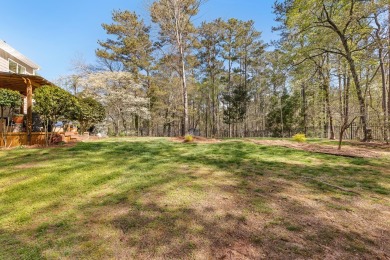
{"x":188,"y":138}
{"x":89,"y":112}
{"x":12,"y":100}
{"x":52,"y":104}
{"x":9,"y":98}
{"x":299,"y":138}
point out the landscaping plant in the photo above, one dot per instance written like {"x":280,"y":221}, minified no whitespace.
{"x":89,"y":113}
{"x":301,"y":138}
{"x":11,"y":99}
{"x":188,"y":138}
{"x":53,"y":104}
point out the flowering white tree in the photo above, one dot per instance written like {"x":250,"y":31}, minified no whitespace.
{"x":122,"y":97}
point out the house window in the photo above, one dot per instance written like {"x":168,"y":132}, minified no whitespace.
{"x":16,"y":67}
{"x":21,"y":69}
{"x":13,"y":66}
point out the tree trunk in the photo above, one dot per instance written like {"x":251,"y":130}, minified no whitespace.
{"x":137,"y":123}
{"x":342,"y":130}
{"x":384,"y":94}
{"x":304,"y":112}
{"x":328,"y":106}
{"x":185,"y":94}
{"x":46,"y":126}
{"x":281,"y":116}
{"x":3,"y":127}
{"x":388,"y":74}
{"x":362,"y":103}
{"x":355,"y":77}
{"x":345,"y":110}
{"x":329,"y":113}
{"x":150,"y":121}
{"x":117,"y":128}
{"x":383,"y":76}
{"x":214,"y":126}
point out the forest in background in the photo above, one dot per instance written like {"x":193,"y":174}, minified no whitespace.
{"x":327,"y":76}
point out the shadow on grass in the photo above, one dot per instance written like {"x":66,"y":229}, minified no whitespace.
{"x":13,"y":248}
{"x":152,"y":231}
{"x":135,"y":195}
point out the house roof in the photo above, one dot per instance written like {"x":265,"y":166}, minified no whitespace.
{"x":18,"y":55}
{"x":18,"y":82}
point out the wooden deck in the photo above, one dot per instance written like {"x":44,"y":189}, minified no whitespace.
{"x":37,"y":138}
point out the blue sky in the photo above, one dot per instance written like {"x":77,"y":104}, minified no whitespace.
{"x":53,"y":32}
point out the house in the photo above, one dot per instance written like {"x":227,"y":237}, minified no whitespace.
{"x":14,"y":62}
{"x":17,"y":72}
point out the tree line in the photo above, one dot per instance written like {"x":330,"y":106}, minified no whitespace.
{"x":344,"y":48}
{"x":329,"y":69}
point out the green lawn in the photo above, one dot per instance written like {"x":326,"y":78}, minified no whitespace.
{"x":152,"y":198}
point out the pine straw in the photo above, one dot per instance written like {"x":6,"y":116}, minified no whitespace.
{"x":196,"y":139}
{"x":346,"y":151}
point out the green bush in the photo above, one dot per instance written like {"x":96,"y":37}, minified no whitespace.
{"x":54,"y":104}
{"x":89,"y":112}
{"x":188,"y":138}
{"x":299,"y":138}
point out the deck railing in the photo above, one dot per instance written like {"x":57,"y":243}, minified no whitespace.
{"x":21,"y":139}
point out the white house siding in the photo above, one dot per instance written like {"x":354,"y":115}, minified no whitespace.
{"x":7,"y":52}
{"x":3,"y":65}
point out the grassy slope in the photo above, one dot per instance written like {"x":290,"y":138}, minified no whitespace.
{"x":152,"y":198}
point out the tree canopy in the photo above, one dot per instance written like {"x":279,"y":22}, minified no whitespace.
{"x":328,"y":72}
{"x":9,"y":98}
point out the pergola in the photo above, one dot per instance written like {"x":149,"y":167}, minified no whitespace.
{"x":25,"y":85}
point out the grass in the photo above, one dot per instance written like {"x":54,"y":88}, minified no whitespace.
{"x":151,"y":198}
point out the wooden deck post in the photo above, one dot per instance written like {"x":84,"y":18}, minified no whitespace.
{"x":29,"y":110}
